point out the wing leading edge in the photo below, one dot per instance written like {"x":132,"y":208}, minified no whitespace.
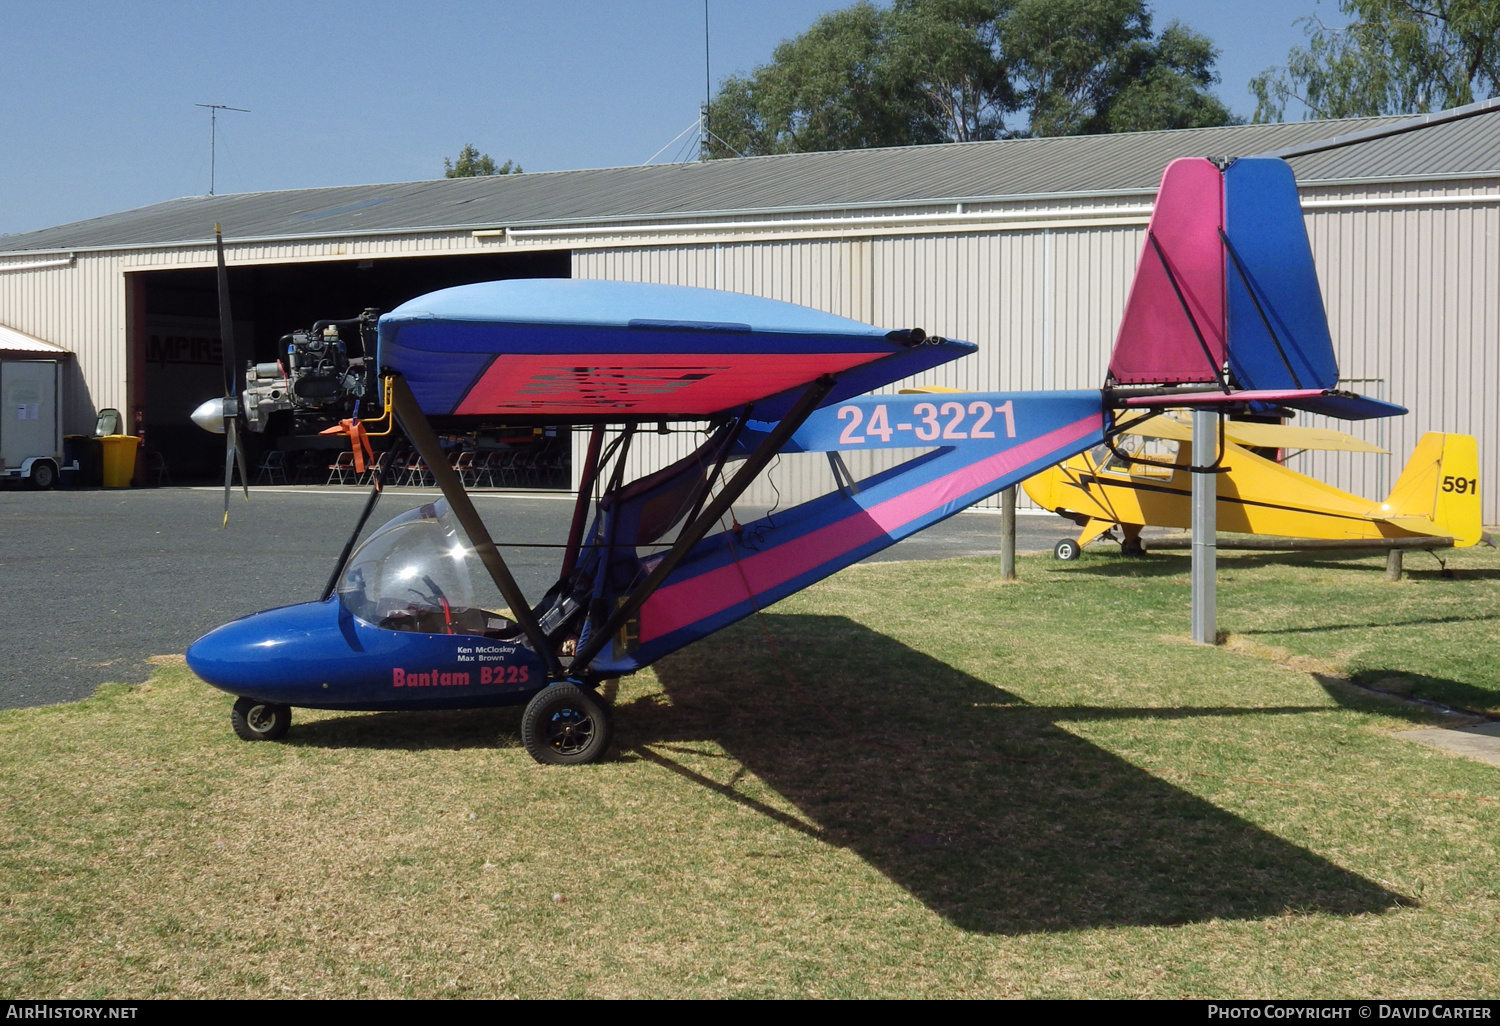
{"x":567,"y":349}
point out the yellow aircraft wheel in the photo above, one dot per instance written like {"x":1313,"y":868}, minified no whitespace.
{"x":1067,"y":549}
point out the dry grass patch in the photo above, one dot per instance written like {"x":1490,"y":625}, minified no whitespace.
{"x":939,"y":785}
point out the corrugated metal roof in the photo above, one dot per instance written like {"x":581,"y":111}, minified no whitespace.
{"x":839,"y":180}
{"x":13,"y":341}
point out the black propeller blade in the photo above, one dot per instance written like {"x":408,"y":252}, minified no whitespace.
{"x":234,"y":387}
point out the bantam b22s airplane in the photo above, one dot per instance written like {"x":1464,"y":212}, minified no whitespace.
{"x":1437,"y":495}
{"x":426,"y":615}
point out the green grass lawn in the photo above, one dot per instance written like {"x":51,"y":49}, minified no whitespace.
{"x":935,"y":786}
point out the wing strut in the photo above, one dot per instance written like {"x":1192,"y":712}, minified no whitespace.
{"x":693,"y":533}
{"x":581,"y":507}
{"x":415,"y":424}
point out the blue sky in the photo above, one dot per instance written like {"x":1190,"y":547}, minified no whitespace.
{"x":97,"y":99}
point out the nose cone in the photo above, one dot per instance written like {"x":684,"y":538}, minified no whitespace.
{"x":276,"y":655}
{"x":210,"y":416}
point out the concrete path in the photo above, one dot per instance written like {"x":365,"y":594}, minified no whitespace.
{"x":1481,"y":741}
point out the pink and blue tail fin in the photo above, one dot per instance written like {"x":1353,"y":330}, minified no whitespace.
{"x":1278,"y":331}
{"x":1226,"y":279}
{"x":1173,"y":328}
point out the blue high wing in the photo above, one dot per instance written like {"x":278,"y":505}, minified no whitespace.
{"x":562,"y":349}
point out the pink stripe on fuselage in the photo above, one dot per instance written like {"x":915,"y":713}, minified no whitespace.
{"x":708,"y":594}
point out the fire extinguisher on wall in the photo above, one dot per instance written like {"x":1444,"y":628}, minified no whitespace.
{"x":138,"y":478}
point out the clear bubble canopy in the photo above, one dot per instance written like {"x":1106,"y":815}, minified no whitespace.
{"x":419,"y":572}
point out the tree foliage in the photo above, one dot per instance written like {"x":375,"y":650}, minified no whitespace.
{"x":1093,"y":66}
{"x":957,"y":70}
{"x":1394,"y":57}
{"x":473,"y":164}
{"x":837,"y":86}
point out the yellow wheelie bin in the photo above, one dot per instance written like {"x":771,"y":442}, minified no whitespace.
{"x":119,"y":460}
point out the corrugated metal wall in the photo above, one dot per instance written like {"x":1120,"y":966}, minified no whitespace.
{"x":1413,"y":299}
{"x":1411,"y":275}
{"x":81,"y":307}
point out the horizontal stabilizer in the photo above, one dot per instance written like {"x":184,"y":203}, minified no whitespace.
{"x":1347,"y":406}
{"x":1416,"y":525}
{"x":1343,"y":405}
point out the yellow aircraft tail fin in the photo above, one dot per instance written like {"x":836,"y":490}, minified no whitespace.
{"x":1440,"y":484}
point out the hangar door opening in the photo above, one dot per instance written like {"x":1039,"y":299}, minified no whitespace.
{"x":177,"y":357}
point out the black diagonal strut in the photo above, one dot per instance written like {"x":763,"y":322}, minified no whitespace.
{"x":1245,"y":279}
{"x":693,"y":533}
{"x":414,"y":423}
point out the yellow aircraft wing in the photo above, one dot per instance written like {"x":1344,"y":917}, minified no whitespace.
{"x":1258,"y":436}
{"x":1291,"y":436}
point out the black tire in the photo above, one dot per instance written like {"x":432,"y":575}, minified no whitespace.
{"x":255,"y":720}
{"x":43,"y":475}
{"x":1067,"y":549}
{"x":565,"y":725}
{"x":1132,"y":547}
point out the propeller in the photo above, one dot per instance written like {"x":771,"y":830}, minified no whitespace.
{"x":234,"y":386}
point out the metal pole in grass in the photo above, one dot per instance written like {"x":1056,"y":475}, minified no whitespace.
{"x":1008,"y":534}
{"x":1205,"y":529}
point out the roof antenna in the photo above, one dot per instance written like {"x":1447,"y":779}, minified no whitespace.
{"x":708,"y":88}
{"x":213,"y":133}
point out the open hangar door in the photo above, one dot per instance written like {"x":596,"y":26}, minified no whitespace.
{"x":175,"y":341}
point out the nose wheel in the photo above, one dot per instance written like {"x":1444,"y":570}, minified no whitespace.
{"x":255,"y":720}
{"x":565,"y":725}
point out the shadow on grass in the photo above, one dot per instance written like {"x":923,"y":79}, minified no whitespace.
{"x":979,"y":805}
{"x":1174,"y":562}
{"x":1365,"y":625}
{"x":1400,"y":686}
{"x":412,"y":731}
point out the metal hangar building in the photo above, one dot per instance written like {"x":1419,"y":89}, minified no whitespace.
{"x":1025,"y":247}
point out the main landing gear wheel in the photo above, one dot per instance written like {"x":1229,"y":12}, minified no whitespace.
{"x":255,"y":720}
{"x":565,"y":725}
{"x":1067,"y":549}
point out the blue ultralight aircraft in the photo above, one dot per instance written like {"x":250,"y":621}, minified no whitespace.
{"x":425,"y":614}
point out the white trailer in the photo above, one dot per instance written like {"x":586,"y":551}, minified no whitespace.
{"x":31,"y":426}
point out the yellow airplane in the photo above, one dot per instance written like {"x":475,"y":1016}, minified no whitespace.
{"x":1436,"y":496}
